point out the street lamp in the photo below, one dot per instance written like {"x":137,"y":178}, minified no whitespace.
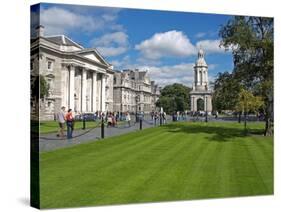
{"x":206,"y":118}
{"x":136,"y":113}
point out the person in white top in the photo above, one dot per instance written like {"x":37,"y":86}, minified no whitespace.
{"x":128,"y":118}
{"x":61,"y":121}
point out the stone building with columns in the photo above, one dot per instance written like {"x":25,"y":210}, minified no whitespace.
{"x":134,"y":91}
{"x":200,"y":89}
{"x":78,"y":78}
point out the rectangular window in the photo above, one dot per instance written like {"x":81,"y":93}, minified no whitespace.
{"x":50,"y":65}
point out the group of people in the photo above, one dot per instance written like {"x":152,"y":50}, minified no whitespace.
{"x":112,"y":118}
{"x":157,"y":116}
{"x":63,"y":117}
{"x":67,"y":118}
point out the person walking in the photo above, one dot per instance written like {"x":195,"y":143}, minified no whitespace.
{"x":109,"y":120}
{"x":61,"y":121}
{"x":128,"y":118}
{"x":70,"y":123}
{"x":164,"y":117}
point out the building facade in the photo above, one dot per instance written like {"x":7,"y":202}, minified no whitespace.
{"x":82,"y":80}
{"x":200,"y":89}
{"x":134,"y":91}
{"x":78,"y":78}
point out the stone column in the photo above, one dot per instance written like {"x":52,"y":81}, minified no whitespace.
{"x":209,"y":108}
{"x":198,"y":77}
{"x":194,"y":104}
{"x":103,"y":92}
{"x":204,"y":77}
{"x":71,"y":87}
{"x":195,"y":77}
{"x":94,"y":92}
{"x":64,"y":85}
{"x":207,"y":76}
{"x":84,"y":89}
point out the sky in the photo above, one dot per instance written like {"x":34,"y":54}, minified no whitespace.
{"x":164,"y":43}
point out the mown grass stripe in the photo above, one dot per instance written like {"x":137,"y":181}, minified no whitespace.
{"x":97,"y":168}
{"x":173,"y":162}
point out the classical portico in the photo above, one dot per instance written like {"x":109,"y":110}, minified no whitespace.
{"x":80,"y":88}
{"x":78,"y":78}
{"x":200,"y":90}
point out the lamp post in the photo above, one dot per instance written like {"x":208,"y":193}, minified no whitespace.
{"x":136,"y":113}
{"x":206,"y":118}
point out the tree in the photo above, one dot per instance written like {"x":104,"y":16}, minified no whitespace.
{"x":174,"y":97}
{"x":39,"y":88}
{"x":251,"y":42}
{"x":226,"y":91}
{"x":247,"y":102}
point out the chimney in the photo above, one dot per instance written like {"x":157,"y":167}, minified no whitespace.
{"x":40,"y":31}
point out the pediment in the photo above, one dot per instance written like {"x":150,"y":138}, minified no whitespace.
{"x":94,"y":55}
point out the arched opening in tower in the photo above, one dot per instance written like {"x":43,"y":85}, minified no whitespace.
{"x":200,"y":105}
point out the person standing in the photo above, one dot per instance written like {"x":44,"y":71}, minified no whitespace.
{"x":61,"y":121}
{"x":70,"y":123}
{"x":164,"y":117}
{"x":128,"y":118}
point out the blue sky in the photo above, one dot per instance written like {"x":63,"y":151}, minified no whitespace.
{"x":164,"y":43}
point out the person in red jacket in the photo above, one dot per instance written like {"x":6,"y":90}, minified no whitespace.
{"x":69,"y":123}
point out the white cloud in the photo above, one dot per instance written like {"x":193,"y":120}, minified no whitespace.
{"x":169,"y":74}
{"x":124,"y":63}
{"x":164,"y":75}
{"x":172,"y":43}
{"x":210,"y":46}
{"x":61,"y":21}
{"x":111,"y":51}
{"x":112,"y":44}
{"x":107,"y":39}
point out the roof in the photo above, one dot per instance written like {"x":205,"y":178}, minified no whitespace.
{"x":63,"y":40}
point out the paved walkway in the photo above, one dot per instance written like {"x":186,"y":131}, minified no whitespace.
{"x":50,"y":141}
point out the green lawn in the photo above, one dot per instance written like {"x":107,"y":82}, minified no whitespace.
{"x":53,"y":126}
{"x":175,"y":162}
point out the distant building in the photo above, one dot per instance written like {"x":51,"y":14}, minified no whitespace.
{"x":78,"y":78}
{"x":200,"y":89}
{"x":134,"y":91}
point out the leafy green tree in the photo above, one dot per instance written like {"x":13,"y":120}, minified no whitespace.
{"x":247,"y":102}
{"x":226,"y":91}
{"x":251,"y":42}
{"x":39,"y":88}
{"x":174,"y":97}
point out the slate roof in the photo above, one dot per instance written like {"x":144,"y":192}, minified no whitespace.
{"x":63,"y":40}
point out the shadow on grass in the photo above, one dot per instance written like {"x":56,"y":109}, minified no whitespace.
{"x":216,"y":133}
